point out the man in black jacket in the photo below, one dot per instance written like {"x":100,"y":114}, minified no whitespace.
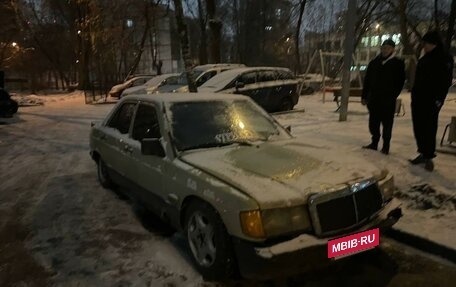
{"x":383,"y":83}
{"x":433,"y":77}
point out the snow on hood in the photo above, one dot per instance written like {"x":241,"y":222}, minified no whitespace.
{"x":282,"y":172}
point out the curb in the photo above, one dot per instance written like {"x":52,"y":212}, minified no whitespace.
{"x":423,"y":244}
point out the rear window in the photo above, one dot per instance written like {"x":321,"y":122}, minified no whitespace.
{"x":285,"y":75}
{"x":266,"y":76}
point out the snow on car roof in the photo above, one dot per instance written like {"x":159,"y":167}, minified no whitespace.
{"x":185,"y":97}
{"x":221,"y":80}
{"x":220,"y":65}
{"x":158,"y":79}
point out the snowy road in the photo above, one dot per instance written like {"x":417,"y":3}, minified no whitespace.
{"x":59,"y":227}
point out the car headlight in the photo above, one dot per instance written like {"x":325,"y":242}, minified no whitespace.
{"x":277,"y":221}
{"x":386,"y":186}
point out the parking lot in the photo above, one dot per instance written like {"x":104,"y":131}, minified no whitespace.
{"x":59,"y":227}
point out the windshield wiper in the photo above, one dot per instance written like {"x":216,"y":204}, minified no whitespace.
{"x":209,"y":145}
{"x":206,"y":145}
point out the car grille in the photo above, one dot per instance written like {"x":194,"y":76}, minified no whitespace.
{"x":338,"y":211}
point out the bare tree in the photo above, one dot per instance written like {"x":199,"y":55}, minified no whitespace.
{"x":185,"y":50}
{"x":302,"y":6}
{"x":451,"y":22}
{"x":215,"y":27}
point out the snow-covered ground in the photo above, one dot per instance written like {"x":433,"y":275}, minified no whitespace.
{"x":429,"y":199}
{"x":57,"y":222}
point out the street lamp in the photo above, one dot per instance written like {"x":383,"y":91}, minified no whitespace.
{"x":14,"y":44}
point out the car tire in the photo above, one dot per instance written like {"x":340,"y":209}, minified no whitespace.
{"x":210,"y":245}
{"x":103,"y":175}
{"x":286,"y":105}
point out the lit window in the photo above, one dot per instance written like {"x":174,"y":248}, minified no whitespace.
{"x":268,"y":28}
{"x":365,"y":41}
{"x":129,"y":23}
{"x":397,"y":38}
{"x":375,"y":41}
{"x":385,"y":37}
{"x":278,"y":12}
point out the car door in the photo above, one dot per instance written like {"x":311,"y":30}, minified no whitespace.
{"x":266,"y":89}
{"x":148,"y":169}
{"x":249,"y":88}
{"x":114,"y":148}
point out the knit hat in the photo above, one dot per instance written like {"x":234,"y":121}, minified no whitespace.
{"x":389,"y":42}
{"x":432,"y":37}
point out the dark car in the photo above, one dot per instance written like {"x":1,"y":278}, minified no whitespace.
{"x":274,"y":89}
{"x":8,"y":107}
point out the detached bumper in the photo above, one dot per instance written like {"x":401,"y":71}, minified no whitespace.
{"x":300,"y":253}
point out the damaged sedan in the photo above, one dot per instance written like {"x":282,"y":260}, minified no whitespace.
{"x":238,"y":185}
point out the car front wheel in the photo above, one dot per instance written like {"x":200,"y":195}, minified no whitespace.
{"x":209,"y":242}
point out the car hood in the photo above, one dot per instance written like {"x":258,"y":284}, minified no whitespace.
{"x":118,"y":87}
{"x":281,"y":173}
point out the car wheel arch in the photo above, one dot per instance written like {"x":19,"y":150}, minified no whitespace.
{"x":95,"y":155}
{"x":186,"y":203}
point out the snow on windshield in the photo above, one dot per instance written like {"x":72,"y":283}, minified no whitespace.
{"x":201,"y":124}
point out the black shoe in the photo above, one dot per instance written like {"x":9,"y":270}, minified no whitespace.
{"x":385,"y":148}
{"x":371,"y":146}
{"x":418,"y":160}
{"x":429,"y":165}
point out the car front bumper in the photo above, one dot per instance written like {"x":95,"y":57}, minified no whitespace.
{"x":302,"y":252}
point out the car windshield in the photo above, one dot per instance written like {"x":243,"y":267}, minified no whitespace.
{"x":217,"y":123}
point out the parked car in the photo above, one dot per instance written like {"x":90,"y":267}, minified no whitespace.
{"x":202,"y":74}
{"x":8,"y":106}
{"x":133,"y":82}
{"x":274,"y":89}
{"x":150,"y":86}
{"x":236,"y":182}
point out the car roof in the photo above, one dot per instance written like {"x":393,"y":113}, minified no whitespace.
{"x":213,"y":66}
{"x":221,"y":80}
{"x":183,"y":97}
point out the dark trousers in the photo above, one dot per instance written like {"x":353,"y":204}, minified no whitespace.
{"x":425,"y":119}
{"x":381,"y":116}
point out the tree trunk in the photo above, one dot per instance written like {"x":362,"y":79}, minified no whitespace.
{"x":436,"y":15}
{"x":203,"y":41}
{"x":238,"y":30}
{"x":302,"y":7}
{"x":185,"y":49}
{"x":451,"y":21}
{"x":215,"y":27}
{"x":143,"y":42}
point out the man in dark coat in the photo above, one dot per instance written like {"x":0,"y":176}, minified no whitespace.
{"x":383,"y":83}
{"x":433,"y":77}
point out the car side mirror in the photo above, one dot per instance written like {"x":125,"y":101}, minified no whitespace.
{"x":152,"y":146}
{"x":288,"y":128}
{"x":239,"y":85}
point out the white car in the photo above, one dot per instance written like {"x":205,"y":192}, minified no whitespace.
{"x":117,"y":90}
{"x":203,"y":73}
{"x":150,"y":86}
